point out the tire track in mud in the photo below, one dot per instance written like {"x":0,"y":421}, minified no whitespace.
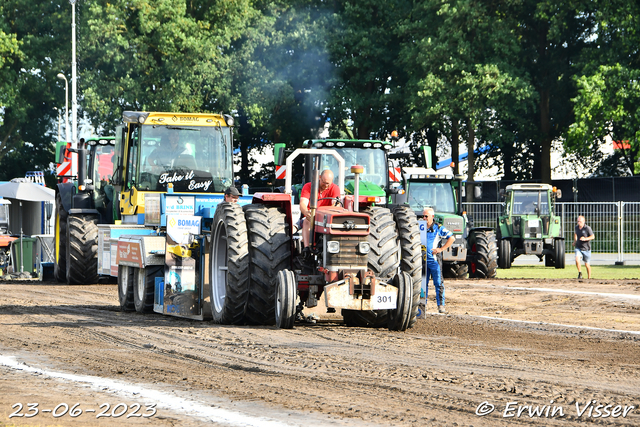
{"x":437,"y":373}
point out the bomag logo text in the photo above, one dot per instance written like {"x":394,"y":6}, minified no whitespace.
{"x":188,"y":223}
{"x":189,"y":119}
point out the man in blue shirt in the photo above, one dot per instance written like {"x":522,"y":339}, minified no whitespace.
{"x":435,"y":234}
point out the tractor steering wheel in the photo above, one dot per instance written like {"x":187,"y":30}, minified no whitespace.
{"x":335,"y":199}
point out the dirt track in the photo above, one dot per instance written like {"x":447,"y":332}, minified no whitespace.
{"x":74,"y":340}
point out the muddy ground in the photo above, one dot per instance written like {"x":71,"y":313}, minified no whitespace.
{"x":508,"y":352}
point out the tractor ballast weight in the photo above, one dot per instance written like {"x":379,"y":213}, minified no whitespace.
{"x":529,"y":225}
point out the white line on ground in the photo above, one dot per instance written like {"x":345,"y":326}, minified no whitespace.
{"x":562,"y":291}
{"x":132,"y":391}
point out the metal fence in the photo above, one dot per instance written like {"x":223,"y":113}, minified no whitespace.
{"x":616,"y":226}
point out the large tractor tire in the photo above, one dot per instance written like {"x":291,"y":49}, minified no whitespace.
{"x":125,"y":288}
{"x":229,"y":269}
{"x":400,"y":318}
{"x":558,"y":246}
{"x":60,"y":265}
{"x":82,"y":249}
{"x":285,"y":301}
{"x":454,"y":270}
{"x":504,"y":254}
{"x":410,"y":253}
{"x":384,"y":260}
{"x":144,"y":286}
{"x":269,"y":253}
{"x":484,"y":254}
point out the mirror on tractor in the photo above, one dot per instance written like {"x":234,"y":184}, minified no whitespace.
{"x":558,"y":192}
{"x":394,"y":188}
{"x":477,"y":192}
{"x":426,"y":155}
{"x":279,"y":153}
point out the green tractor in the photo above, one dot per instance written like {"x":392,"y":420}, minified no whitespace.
{"x":529,"y":225}
{"x":474,"y":251}
{"x":82,"y":202}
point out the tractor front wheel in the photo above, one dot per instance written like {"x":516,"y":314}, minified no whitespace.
{"x":558,"y":246}
{"x":82,"y":249}
{"x":125,"y":288}
{"x":60,"y":266}
{"x":504,"y":254}
{"x":285,"y":301}
{"x":484,"y":254}
{"x":400,"y":318}
{"x":144,"y":286}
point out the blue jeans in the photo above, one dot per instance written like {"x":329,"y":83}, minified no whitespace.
{"x":433,"y":271}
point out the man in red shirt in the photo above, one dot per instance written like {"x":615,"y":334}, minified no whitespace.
{"x":326,"y":189}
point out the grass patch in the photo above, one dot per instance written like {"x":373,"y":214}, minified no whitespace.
{"x":608,"y":272}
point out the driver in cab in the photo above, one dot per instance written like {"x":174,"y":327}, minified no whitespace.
{"x":327,"y":193}
{"x":170,"y":154}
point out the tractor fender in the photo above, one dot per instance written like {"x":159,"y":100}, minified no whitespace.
{"x":480,"y":229}
{"x":279,"y":200}
{"x":83,"y":212}
{"x":65,"y":189}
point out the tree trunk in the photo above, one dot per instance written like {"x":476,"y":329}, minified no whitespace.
{"x":471,"y":159}
{"x":455,"y":146}
{"x":545,"y":142}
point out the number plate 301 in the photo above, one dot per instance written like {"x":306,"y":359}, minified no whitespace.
{"x":383,"y":301}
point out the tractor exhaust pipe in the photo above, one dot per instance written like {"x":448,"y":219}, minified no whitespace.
{"x":313,"y":201}
{"x":356,"y":170}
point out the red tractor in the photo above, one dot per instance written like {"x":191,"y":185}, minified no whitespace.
{"x":354,"y":260}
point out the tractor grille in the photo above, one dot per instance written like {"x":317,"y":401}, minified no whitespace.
{"x":453,"y":224}
{"x":349,"y":256}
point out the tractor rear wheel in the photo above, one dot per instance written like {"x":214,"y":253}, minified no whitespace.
{"x":60,"y":265}
{"x":82,"y":249}
{"x":125,"y":288}
{"x":285,"y":300}
{"x":144,"y":286}
{"x":558,"y":246}
{"x":484,"y":254}
{"x":454,"y":270}
{"x":504,"y":254}
{"x":410,"y":253}
{"x":400,"y":318}
{"x":229,"y":269}
{"x":269,"y":252}
{"x":384,"y":260}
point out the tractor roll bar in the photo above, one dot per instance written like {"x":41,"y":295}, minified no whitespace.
{"x":315,"y":151}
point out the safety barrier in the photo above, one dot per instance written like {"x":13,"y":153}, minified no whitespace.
{"x":616,"y":226}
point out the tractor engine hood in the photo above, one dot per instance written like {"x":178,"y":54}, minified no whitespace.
{"x":367,"y":188}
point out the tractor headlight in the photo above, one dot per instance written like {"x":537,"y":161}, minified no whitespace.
{"x":333,"y":247}
{"x":364,"y":247}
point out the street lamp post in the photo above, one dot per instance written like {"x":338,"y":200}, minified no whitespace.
{"x":66,"y":105}
{"x":74,"y":95}
{"x":59,"y":123}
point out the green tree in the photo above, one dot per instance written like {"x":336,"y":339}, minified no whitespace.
{"x":461,"y":55}
{"x":35,"y":44}
{"x":606,"y":104}
{"x":366,"y":99}
{"x":281,"y":74}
